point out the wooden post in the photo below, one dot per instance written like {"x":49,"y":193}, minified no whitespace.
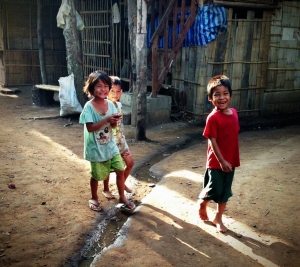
{"x":73,"y":49}
{"x":41,"y":43}
{"x":141,"y":66}
{"x":132,"y":14}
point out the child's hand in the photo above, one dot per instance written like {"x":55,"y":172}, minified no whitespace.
{"x":117,"y":116}
{"x":226,"y":166}
{"x":114,"y":118}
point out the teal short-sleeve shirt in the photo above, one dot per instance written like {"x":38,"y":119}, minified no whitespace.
{"x":99,"y":146}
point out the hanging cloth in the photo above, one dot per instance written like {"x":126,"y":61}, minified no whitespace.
{"x":116,"y":13}
{"x":210,"y":20}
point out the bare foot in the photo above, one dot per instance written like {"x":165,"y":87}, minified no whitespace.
{"x":108,"y":194}
{"x":220,"y":226}
{"x":202,"y":212}
{"x":127,"y":189}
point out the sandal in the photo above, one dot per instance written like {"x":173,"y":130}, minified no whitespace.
{"x":94,"y":205}
{"x":128,"y":207}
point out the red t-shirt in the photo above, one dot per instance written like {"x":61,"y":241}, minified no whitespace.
{"x":225,"y":129}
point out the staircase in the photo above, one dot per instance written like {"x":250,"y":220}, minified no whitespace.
{"x":169,"y":14}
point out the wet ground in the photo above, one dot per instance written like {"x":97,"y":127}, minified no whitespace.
{"x":107,"y":231}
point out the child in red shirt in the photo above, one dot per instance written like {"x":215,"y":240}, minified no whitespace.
{"x":221,"y":130}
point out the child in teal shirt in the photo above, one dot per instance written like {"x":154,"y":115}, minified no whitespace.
{"x":99,"y":116}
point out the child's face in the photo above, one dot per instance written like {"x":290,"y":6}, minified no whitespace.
{"x":220,"y":97}
{"x":115,"y":93}
{"x":101,"y":90}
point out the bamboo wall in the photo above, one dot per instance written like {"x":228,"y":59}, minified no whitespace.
{"x":283,"y":77}
{"x":19,"y":59}
{"x":259,"y":53}
{"x":23,"y":68}
{"x":253,"y":53}
{"x":105,"y":44}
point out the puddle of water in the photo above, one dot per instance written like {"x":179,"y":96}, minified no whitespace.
{"x":104,"y":235}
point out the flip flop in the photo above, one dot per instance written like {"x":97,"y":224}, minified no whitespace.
{"x":126,"y":207}
{"x":94,"y":205}
{"x":108,"y":195}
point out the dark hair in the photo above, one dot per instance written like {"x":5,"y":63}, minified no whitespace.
{"x":93,"y":78}
{"x":216,"y":81}
{"x":116,"y":81}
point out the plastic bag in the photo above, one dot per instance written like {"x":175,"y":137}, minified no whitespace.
{"x":63,"y":10}
{"x":79,"y":22}
{"x":67,"y":96}
{"x":60,"y":19}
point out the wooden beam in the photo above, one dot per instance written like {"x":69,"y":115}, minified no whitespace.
{"x":249,"y":5}
{"x":179,"y":42}
{"x":162,"y":22}
{"x":155,"y":87}
{"x":47,"y":87}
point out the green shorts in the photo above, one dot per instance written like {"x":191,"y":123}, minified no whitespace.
{"x":217,"y":185}
{"x":100,"y":170}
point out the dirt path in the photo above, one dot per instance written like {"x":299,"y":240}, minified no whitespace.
{"x":262,"y":215}
{"x":45,"y":221}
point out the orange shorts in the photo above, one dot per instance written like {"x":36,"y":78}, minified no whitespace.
{"x":126,"y":154}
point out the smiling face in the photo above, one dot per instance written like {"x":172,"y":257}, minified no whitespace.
{"x":220,"y":98}
{"x":115,"y":93}
{"x":101,"y":90}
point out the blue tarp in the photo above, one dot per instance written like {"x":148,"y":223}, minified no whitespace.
{"x":209,"y":20}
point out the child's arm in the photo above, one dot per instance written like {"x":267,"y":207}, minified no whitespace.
{"x":92,"y":127}
{"x":225,"y":165}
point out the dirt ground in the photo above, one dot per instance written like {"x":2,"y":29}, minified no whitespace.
{"x":45,"y":220}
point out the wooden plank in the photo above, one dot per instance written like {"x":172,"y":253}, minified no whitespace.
{"x":186,"y":85}
{"x":192,"y":93}
{"x":200,"y":80}
{"x":181,"y":78}
{"x":253,"y":68}
{"x":260,"y":56}
{"x":183,"y":31}
{"x":9,"y":91}
{"x":229,"y":14}
{"x":162,"y":21}
{"x":220,"y":51}
{"x":2,"y":28}
{"x":47,"y":87}
{"x":177,"y":69}
{"x":231,"y":47}
{"x":237,"y":68}
{"x":248,"y":96}
{"x":155,"y":66}
{"x":205,"y":78}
